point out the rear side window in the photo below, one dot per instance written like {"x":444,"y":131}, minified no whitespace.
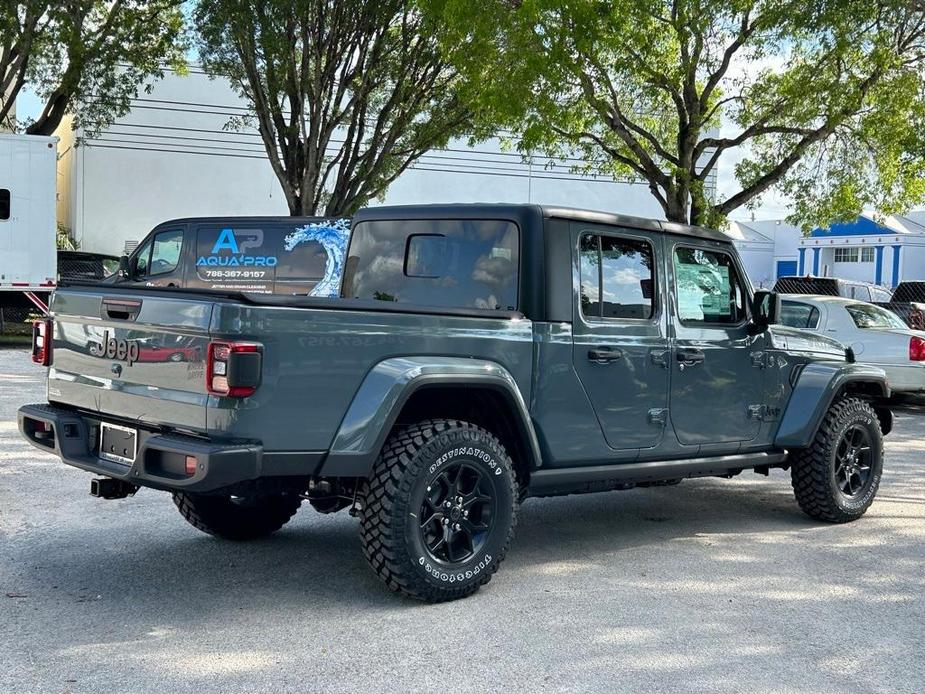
{"x":616,"y":277}
{"x":708,"y":286}
{"x":448,"y":263}
{"x":4,"y":204}
{"x":798,"y":315}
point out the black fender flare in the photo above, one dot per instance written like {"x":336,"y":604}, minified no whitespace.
{"x":388,"y":386}
{"x":816,"y":388}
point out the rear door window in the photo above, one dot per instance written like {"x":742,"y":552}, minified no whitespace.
{"x":4,"y":204}
{"x":616,"y":277}
{"x":446,"y":263}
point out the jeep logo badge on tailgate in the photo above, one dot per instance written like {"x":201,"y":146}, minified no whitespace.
{"x":111,"y":348}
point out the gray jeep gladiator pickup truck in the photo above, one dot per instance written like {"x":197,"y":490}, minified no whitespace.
{"x":478,"y":355}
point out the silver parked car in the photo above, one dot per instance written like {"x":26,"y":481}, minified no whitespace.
{"x":876,"y":335}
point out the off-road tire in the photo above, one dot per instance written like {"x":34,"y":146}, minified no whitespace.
{"x":228,"y":519}
{"x":413,"y":459}
{"x":813,"y":469}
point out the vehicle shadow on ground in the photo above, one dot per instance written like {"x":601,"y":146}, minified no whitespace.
{"x":316,"y":563}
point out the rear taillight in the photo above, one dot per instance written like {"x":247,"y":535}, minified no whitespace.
{"x":916,"y":349}
{"x":233,"y":368}
{"x":42,"y":333}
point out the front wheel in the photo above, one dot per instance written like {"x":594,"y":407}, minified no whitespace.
{"x":836,"y":478}
{"x":237,"y":517}
{"x":439,"y":510}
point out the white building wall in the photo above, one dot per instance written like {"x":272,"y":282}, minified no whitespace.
{"x":172,"y":156}
{"x":912,"y":263}
{"x":758,"y":260}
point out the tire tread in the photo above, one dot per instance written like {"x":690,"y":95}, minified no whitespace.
{"x":388,"y":483}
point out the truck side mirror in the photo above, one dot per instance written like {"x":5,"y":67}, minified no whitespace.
{"x":765,"y":310}
{"x":125,"y":268}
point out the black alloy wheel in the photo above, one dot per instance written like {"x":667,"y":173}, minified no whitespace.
{"x":457,"y":513}
{"x":853,"y":461}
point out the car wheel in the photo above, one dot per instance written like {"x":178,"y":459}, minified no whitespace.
{"x":439,"y":510}
{"x":836,"y":478}
{"x":176,"y":356}
{"x":237,"y":517}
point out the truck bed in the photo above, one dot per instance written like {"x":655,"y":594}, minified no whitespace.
{"x":316,"y":353}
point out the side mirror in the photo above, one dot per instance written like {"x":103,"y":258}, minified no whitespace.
{"x":125,"y":268}
{"x":765,"y":310}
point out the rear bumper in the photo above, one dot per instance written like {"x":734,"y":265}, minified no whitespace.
{"x":160,"y":460}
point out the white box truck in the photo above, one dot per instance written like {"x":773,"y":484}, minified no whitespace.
{"x":28,"y":171}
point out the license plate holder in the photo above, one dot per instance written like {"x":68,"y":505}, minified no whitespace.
{"x":118,"y":444}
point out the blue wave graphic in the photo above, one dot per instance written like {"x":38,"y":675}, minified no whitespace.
{"x":333,"y":236}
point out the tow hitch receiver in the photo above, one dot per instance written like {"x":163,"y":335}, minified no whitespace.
{"x":108,"y":488}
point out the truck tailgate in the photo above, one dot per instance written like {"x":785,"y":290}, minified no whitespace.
{"x":135,"y":356}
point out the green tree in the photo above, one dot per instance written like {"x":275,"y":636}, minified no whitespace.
{"x":85,"y":57}
{"x":345,"y":95}
{"x":823,"y":98}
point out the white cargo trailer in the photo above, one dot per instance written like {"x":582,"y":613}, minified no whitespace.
{"x":28,"y":171}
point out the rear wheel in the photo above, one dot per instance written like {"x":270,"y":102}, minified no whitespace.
{"x":237,"y":517}
{"x":439,"y":510}
{"x":837,"y":477}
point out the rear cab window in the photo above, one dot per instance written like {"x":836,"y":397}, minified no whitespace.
{"x":470,"y":264}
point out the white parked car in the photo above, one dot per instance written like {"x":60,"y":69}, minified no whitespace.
{"x":876,"y":335}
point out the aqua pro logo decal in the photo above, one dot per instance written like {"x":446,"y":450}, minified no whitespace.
{"x":231,"y":250}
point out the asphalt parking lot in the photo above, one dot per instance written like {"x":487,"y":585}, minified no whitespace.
{"x":712,"y":585}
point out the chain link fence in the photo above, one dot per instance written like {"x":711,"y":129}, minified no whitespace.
{"x":17,"y":320}
{"x":910,"y":292}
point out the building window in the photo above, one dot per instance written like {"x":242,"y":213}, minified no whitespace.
{"x":867,"y":254}
{"x":846,"y":255}
{"x":4,"y":203}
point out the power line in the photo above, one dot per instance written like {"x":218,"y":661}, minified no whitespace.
{"x":535,"y":157}
{"x":482,"y":171}
{"x":331,"y":151}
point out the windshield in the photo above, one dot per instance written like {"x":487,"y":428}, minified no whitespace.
{"x":868,"y":316}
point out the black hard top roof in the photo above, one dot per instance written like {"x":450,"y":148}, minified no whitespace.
{"x":245,"y":219}
{"x":512,"y":211}
{"x":518,"y":212}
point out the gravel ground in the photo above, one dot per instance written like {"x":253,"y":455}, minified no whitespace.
{"x":713,"y":585}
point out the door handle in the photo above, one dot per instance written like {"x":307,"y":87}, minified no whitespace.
{"x":689,"y":357}
{"x":604,"y":355}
